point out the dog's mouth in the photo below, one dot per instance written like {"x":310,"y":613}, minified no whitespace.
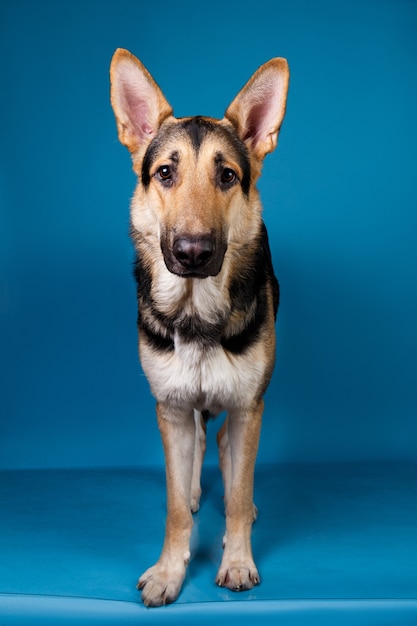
{"x":194,"y":256}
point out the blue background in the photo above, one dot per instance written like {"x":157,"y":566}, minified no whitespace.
{"x":340,"y":199}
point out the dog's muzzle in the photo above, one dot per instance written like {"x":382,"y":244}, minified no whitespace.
{"x":194,"y":256}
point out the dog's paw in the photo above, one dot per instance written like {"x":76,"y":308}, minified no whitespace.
{"x":195,"y":500}
{"x":238,"y":576}
{"x":160,"y":585}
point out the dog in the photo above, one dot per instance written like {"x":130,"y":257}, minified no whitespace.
{"x":207,"y":297}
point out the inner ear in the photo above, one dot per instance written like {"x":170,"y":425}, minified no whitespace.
{"x":138,"y":103}
{"x":136,"y":100}
{"x":260,"y":118}
{"x":259,"y":108}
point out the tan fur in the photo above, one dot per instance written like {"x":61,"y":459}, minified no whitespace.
{"x":193,"y":376}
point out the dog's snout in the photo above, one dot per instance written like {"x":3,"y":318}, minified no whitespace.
{"x":193,"y":252}
{"x":194,"y":255}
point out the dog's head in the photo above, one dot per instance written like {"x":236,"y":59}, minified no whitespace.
{"x":196,"y":195}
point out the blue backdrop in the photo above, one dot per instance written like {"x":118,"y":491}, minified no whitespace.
{"x":340,"y":198}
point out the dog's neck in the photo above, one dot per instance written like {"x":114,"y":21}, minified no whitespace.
{"x":172,"y":294}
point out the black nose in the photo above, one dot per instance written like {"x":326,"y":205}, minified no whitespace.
{"x":193,"y":252}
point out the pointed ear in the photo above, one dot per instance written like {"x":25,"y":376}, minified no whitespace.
{"x":137,"y":101}
{"x":258,"y":109}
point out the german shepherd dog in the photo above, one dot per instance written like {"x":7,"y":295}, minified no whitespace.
{"x":207,"y":297}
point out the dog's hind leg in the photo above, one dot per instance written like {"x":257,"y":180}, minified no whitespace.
{"x":237,"y":570}
{"x":161,"y":583}
{"x":199,"y":451}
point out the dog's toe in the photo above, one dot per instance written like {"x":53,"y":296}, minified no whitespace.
{"x":195,"y":503}
{"x":160,"y":586}
{"x":238,"y":577}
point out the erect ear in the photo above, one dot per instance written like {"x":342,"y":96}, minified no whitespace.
{"x":137,"y":101}
{"x":258,"y":109}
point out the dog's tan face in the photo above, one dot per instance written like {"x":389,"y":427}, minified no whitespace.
{"x":196,"y":176}
{"x":196,"y":195}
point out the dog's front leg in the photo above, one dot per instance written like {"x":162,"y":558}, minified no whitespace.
{"x":199,"y":451}
{"x":238,"y":570}
{"x":161,"y":583}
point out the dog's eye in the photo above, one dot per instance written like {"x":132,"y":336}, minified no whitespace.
{"x":228,"y":176}
{"x":164,"y":173}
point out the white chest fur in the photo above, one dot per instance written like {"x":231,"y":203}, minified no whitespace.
{"x":192,"y":376}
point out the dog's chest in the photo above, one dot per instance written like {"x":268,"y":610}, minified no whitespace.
{"x":196,"y":376}
{"x":199,"y":371}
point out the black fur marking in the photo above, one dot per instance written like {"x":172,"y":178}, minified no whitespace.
{"x":237,"y":344}
{"x":249,"y":286}
{"x":270,"y":268}
{"x":193,"y":328}
{"x":143,"y":279}
{"x":143,"y":285}
{"x":206,"y":415}
{"x":148,"y":159}
{"x":157,"y":341}
{"x":197,"y":129}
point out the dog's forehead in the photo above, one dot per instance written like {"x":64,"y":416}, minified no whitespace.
{"x":200,"y":130}
{"x":197,"y":133}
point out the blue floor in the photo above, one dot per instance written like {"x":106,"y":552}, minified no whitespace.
{"x":334,"y":544}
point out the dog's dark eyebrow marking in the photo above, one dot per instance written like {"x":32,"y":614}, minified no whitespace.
{"x":174,"y":157}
